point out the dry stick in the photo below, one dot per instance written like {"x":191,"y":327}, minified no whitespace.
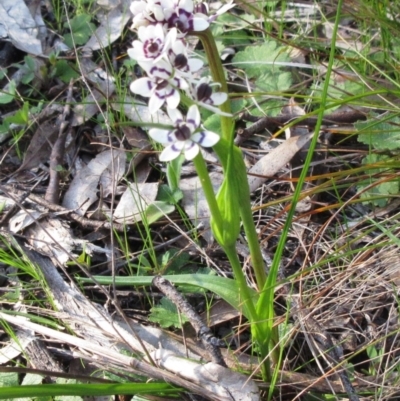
{"x":57,"y":153}
{"x":210,"y":342}
{"x":13,"y":193}
{"x":265,"y":122}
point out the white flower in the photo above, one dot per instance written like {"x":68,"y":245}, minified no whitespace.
{"x":181,"y":16}
{"x":152,"y":44}
{"x":160,"y":86}
{"x":185,"y":137}
{"x":203,"y":9}
{"x":149,"y":12}
{"x":202,"y":93}
{"x":178,"y":56}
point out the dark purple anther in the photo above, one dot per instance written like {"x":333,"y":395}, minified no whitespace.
{"x":182,"y":133}
{"x":180,"y":62}
{"x":204,"y":92}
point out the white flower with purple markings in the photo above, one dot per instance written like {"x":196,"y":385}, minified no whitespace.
{"x":180,"y":60}
{"x":202,"y":8}
{"x":186,"y":137}
{"x":161,"y":85}
{"x":153,"y":43}
{"x":180,"y":14}
{"x":203,"y":94}
{"x":148,"y":12}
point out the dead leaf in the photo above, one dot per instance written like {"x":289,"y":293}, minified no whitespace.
{"x":23,"y":219}
{"x":135,"y":201}
{"x":271,"y":163}
{"x":139,"y":140}
{"x":19,"y":26}
{"x":111,"y":27}
{"x":106,"y":168}
{"x":219,"y":312}
{"x":40,"y":146}
{"x":53,"y":238}
{"x":16,"y":345}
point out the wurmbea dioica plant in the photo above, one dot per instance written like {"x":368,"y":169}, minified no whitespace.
{"x":172,"y":72}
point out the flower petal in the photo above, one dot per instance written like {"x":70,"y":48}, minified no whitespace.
{"x":142,"y":87}
{"x":136,"y":52}
{"x":170,"y":39}
{"x":200,"y":24}
{"x":155,"y":103}
{"x":137,"y":7}
{"x":162,"y":135}
{"x":193,"y":116}
{"x":191,"y":150}
{"x":187,"y":5}
{"x":173,"y":100}
{"x":169,"y":153}
{"x":158,"y":13}
{"x":175,"y":115}
{"x":195,"y":64}
{"x":205,"y":138}
{"x":218,"y":98}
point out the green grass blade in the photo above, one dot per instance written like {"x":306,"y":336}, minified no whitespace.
{"x":43,"y":390}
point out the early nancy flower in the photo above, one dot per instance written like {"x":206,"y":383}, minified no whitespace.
{"x":148,"y":12}
{"x":178,"y":56}
{"x":181,"y":16}
{"x":153,"y":43}
{"x":202,"y":93}
{"x":185,"y":137}
{"x":160,"y":86}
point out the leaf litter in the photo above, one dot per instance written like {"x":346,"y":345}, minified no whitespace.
{"x":347,"y":288}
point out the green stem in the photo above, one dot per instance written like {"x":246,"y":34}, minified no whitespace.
{"x":235,"y":171}
{"x":249,"y":304}
{"x":208,"y":188}
{"x":218,"y":75}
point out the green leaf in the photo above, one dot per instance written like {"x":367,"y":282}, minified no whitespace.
{"x":174,"y":172}
{"x":21,"y":117}
{"x":274,"y":81}
{"x":157,"y":210}
{"x":55,"y":390}
{"x":8,"y":379}
{"x":226,"y":288}
{"x":64,"y":71}
{"x":174,"y":260}
{"x":28,"y":69}
{"x":228,"y":204}
{"x":256,"y":60}
{"x":81,"y":30}
{"x":166,"y":315}
{"x":8,"y":97}
{"x":383,"y":135}
{"x":166,"y":194}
